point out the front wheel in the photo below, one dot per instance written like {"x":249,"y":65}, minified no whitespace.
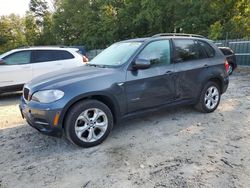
{"x":209,"y":98}
{"x":88,"y":123}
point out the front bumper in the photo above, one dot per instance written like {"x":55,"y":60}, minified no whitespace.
{"x":41,"y":118}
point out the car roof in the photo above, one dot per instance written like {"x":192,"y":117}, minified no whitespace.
{"x":136,"y":40}
{"x":38,"y":48}
{"x":46,"y":48}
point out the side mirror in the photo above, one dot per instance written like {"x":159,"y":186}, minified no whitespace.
{"x":2,"y":62}
{"x":141,"y":64}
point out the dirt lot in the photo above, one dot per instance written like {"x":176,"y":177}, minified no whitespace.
{"x":171,"y":148}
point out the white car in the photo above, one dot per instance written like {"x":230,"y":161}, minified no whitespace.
{"x":19,"y":66}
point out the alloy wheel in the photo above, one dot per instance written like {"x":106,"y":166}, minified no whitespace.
{"x":91,"y":125}
{"x":211,"y":97}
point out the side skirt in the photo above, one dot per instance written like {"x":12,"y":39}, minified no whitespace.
{"x":158,"y":108}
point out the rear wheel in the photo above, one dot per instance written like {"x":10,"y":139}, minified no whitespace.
{"x":88,"y":123}
{"x":209,"y":98}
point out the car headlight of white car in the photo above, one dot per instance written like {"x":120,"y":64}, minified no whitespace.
{"x":47,"y":96}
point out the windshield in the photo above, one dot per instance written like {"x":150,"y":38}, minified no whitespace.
{"x":3,"y":55}
{"x":115,"y":55}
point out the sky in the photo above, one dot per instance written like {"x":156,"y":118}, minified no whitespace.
{"x":14,"y":6}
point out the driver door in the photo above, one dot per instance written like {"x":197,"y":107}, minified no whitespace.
{"x":154,"y":86}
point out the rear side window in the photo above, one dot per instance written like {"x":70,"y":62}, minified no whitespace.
{"x":226,"y":51}
{"x":201,"y":51}
{"x":65,"y":54}
{"x":18,"y":58}
{"x":207,"y":48}
{"x":51,"y":55}
{"x":185,"y":50}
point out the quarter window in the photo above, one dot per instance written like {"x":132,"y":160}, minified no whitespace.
{"x":65,"y":55}
{"x":18,"y":58}
{"x":51,"y":55}
{"x":226,"y":51}
{"x":157,"y":52}
{"x":202,"y":54}
{"x":185,"y":50}
{"x":208,"y":49}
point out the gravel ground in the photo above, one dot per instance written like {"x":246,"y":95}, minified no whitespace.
{"x":171,"y":148}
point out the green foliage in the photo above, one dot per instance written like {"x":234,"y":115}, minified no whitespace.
{"x":11,"y":33}
{"x":31,"y":30}
{"x":98,"y":23}
{"x":47,"y":36}
{"x":39,"y":8}
{"x":215,"y":31}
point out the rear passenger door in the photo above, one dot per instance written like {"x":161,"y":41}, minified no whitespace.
{"x":192,"y":64}
{"x":45,"y":61}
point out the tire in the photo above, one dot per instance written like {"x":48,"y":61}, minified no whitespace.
{"x":88,"y":123}
{"x":210,"y":98}
{"x":230,"y":69}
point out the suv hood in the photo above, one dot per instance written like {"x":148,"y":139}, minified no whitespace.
{"x":61,"y":78}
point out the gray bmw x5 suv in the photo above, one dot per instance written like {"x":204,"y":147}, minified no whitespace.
{"x":128,"y":78}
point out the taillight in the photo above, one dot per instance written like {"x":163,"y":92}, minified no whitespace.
{"x":226,"y":66}
{"x":85,"y":59}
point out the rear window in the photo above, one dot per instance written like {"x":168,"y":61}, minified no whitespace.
{"x":51,"y":55}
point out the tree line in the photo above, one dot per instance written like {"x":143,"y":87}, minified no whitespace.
{"x":98,"y":23}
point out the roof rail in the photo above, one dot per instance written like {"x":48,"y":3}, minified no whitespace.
{"x":178,"y":34}
{"x":45,"y":46}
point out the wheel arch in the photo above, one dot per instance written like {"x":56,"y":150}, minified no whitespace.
{"x":218,"y":81}
{"x":104,"y":98}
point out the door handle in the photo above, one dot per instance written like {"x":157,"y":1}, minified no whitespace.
{"x":206,"y":66}
{"x":169,"y":72}
{"x":26,"y":67}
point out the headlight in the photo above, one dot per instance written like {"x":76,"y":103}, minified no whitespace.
{"x":47,"y":96}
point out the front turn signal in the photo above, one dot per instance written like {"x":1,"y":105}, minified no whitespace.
{"x":56,"y":119}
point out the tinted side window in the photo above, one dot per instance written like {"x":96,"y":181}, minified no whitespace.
{"x":43,"y":55}
{"x":51,"y":55}
{"x":209,"y":50}
{"x":18,"y":58}
{"x":223,"y":51}
{"x":157,"y":52}
{"x":226,"y":51}
{"x":202,"y":54}
{"x":185,"y":50}
{"x":65,"y":55}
